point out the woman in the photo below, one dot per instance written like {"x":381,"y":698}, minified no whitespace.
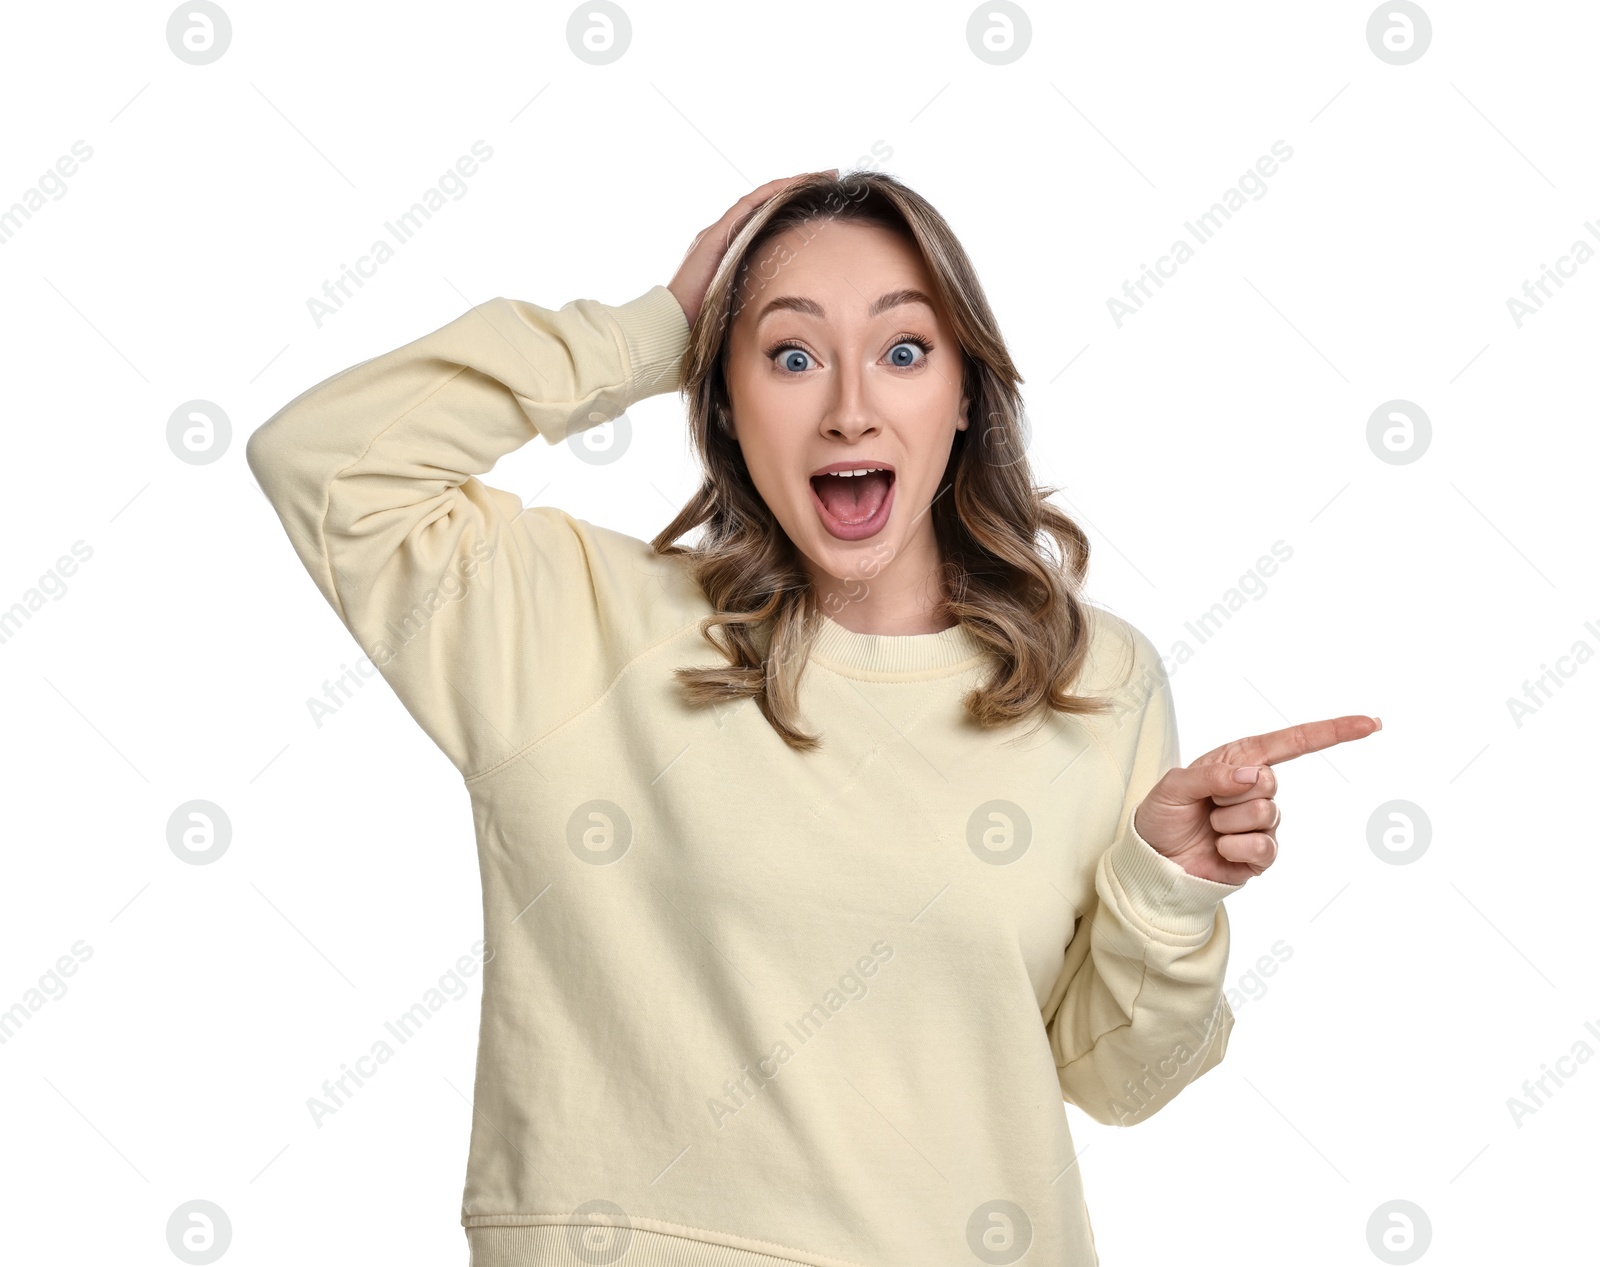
{"x":803,"y":982}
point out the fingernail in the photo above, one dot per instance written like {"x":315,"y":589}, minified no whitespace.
{"x":1379,"y":720}
{"x":1248,"y":774}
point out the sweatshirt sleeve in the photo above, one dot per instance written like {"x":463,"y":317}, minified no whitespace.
{"x":1141,"y":1006}
{"x":492,"y":623}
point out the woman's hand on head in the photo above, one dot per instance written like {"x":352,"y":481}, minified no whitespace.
{"x":1219,"y":826}
{"x":693,"y":277}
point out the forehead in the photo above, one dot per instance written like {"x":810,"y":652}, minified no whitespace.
{"x":841,"y":267}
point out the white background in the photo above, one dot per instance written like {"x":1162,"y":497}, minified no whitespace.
{"x":1230,"y":413}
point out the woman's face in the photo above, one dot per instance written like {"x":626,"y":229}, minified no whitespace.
{"x":832,"y":365}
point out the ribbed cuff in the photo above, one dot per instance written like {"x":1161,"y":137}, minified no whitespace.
{"x":1159,"y":891}
{"x":656,"y":332}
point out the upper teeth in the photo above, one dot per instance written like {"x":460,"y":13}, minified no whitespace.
{"x":860,"y":471}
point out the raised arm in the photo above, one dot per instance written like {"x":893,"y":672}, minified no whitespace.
{"x":484,"y":617}
{"x":1138,"y":1011}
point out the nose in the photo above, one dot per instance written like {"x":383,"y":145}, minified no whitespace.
{"x":851,"y":413}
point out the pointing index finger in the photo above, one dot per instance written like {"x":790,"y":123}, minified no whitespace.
{"x":1294,"y":741}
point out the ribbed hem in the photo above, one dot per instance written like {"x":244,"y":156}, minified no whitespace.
{"x":1159,"y":891}
{"x":656,"y":332}
{"x":894,"y":656}
{"x":578,"y":1245}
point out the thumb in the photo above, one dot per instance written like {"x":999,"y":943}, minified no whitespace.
{"x":1185,"y":785}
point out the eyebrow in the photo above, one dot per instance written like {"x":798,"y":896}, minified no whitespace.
{"x":884,"y":302}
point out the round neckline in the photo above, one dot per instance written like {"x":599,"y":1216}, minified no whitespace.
{"x":924,"y":654}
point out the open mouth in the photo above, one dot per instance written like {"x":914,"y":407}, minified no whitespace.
{"x":854,"y":502}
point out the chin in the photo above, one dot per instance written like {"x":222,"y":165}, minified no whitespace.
{"x":847,"y":561}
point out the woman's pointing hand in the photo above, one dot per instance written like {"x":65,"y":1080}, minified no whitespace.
{"x":1216,"y":817}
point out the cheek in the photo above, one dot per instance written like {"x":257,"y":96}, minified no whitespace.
{"x":776,"y":466}
{"x":928,"y":409}
{"x":929,"y":438}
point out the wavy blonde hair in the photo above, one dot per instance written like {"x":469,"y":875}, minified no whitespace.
{"x":1022,"y":604}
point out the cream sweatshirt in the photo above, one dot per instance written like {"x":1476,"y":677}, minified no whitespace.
{"x":745,"y":1006}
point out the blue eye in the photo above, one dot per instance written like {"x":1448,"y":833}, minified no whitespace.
{"x":896,"y":358}
{"x":796,"y":359}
